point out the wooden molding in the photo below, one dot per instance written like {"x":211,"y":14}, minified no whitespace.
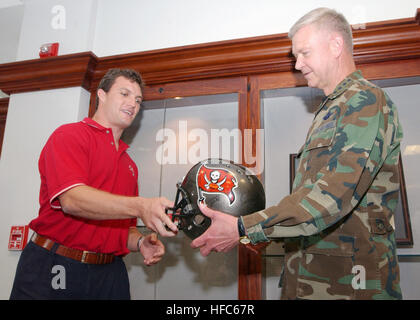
{"x":378,"y":42}
{"x":204,"y":61}
{"x":72,"y":70}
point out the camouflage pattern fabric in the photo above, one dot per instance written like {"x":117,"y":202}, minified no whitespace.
{"x":337,"y":222}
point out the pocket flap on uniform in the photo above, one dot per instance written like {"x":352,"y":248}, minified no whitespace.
{"x":323,"y":135}
{"x":339,"y":245}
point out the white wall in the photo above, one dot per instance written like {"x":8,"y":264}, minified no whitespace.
{"x":10,"y":20}
{"x":30,"y":120}
{"x":71,"y":23}
{"x":109,"y":27}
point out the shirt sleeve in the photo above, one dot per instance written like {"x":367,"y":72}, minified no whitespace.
{"x":334,"y":177}
{"x":64,"y":163}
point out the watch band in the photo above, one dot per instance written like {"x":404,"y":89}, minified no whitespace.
{"x":241,"y":228}
{"x":243,"y":238}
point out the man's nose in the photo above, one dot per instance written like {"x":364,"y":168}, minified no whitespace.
{"x":299,"y":63}
{"x":132,"y":101}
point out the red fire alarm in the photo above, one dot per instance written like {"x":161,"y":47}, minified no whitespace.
{"x":48,"y":50}
{"x":18,"y":237}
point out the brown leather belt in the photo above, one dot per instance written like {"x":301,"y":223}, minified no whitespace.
{"x":75,"y":254}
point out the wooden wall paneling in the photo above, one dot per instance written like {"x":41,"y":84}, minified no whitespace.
{"x":4,"y":105}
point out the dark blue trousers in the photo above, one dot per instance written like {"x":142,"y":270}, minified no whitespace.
{"x":43,"y":274}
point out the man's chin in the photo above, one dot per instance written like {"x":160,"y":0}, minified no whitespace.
{"x":311,"y":83}
{"x":124,"y":124}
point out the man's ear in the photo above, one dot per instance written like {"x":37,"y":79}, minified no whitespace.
{"x":101,"y":95}
{"x":336,"y":44}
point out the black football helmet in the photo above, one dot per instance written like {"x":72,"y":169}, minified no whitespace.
{"x":221,"y":185}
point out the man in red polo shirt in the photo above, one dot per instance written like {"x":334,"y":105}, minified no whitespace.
{"x":89,"y":205}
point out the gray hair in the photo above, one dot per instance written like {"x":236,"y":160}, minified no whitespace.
{"x":328,"y":19}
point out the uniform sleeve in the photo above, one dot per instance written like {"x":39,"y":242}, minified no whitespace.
{"x":333,"y":175}
{"x":64,"y":164}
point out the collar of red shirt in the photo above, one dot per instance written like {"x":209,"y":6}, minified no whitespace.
{"x":94,"y":124}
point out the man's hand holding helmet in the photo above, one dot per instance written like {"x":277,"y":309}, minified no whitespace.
{"x":221,"y":236}
{"x":154,"y":217}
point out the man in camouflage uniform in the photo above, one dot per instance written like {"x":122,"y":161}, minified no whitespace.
{"x":337,"y":223}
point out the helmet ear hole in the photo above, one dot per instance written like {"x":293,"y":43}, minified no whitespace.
{"x":199,"y":219}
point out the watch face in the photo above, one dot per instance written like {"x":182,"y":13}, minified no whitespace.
{"x":244,"y":240}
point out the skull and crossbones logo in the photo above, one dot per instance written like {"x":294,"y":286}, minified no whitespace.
{"x":214,"y":180}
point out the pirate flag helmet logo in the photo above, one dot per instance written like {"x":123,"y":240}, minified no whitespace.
{"x":216,"y":180}
{"x":221,"y":185}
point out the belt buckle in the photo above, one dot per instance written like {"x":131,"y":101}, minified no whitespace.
{"x":84,"y":254}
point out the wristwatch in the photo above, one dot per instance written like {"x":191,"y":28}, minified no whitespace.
{"x":243,"y":238}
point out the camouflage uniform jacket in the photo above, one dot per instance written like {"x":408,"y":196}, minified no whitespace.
{"x":338,"y":220}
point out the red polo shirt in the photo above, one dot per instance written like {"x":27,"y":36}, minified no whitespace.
{"x":76,"y":154}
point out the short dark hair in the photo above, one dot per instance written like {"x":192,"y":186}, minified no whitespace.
{"x":109,"y":78}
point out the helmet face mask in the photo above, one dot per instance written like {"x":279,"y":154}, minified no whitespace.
{"x":220,"y":184}
{"x":187,"y":215}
